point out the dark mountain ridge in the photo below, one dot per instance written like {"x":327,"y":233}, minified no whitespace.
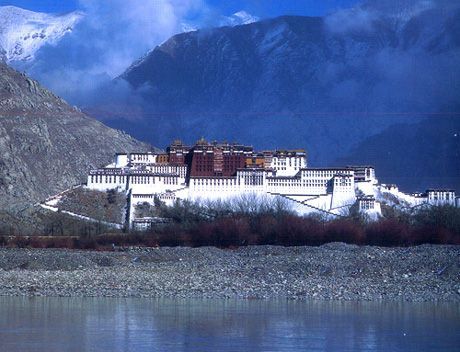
{"x":415,"y":156}
{"x":294,"y":81}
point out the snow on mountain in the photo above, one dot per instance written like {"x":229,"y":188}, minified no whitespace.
{"x":186,"y":27}
{"x":237,"y":19}
{"x":23,"y":32}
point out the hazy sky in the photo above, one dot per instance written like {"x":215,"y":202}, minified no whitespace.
{"x":260,"y":8}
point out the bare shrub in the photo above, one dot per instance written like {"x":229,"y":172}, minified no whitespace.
{"x":172,"y":236}
{"x":19,"y":241}
{"x":63,"y":242}
{"x":433,"y":235}
{"x":230,"y":232}
{"x":290,"y":231}
{"x":313,"y":232}
{"x":251,"y":204}
{"x":388,"y":232}
{"x":183,"y":212}
{"x":40,"y":242}
{"x":202,"y":234}
{"x":150,"y":240}
{"x":265,"y":227}
{"x":86,"y":242}
{"x":344,"y":230}
{"x":447,"y":217}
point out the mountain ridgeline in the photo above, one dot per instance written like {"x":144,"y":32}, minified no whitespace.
{"x":326,"y":84}
{"x":46,"y":145}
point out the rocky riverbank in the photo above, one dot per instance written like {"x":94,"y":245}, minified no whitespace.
{"x":331,"y":272}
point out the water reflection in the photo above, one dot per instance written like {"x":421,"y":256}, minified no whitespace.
{"x":75,"y":324}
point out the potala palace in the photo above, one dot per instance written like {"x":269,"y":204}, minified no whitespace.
{"x":213,"y":171}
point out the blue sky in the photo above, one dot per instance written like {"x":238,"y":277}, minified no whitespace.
{"x":260,"y":8}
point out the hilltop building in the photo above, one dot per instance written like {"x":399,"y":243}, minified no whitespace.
{"x":441,"y":196}
{"x":212,"y":171}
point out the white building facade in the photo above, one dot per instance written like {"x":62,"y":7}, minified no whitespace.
{"x":146,"y":177}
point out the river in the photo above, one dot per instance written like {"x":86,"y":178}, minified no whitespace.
{"x":104,"y":324}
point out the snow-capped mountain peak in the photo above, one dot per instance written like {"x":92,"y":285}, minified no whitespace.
{"x":238,"y":18}
{"x":186,"y":27}
{"x":23,"y":32}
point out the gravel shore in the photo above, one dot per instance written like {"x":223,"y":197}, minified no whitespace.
{"x":331,"y":272}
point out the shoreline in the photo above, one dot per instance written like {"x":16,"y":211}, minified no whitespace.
{"x":335,"y":271}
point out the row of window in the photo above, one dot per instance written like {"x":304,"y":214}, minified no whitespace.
{"x":343,"y":182}
{"x":258,"y":181}
{"x":441,"y":195}
{"x":142,"y":180}
{"x":142,"y":157}
{"x":168,"y":169}
{"x":284,"y":183}
{"x":134,"y":179}
{"x":107,"y":179}
{"x":165,"y":196}
{"x":314,"y":183}
{"x":366,"y":204}
{"x":296,"y":183}
{"x":248,"y":180}
{"x":324,"y":173}
{"x":253,"y":180}
{"x":215,"y":181}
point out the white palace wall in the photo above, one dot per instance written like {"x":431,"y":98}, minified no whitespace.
{"x":331,"y":190}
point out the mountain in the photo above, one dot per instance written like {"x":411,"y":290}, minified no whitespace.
{"x":46,"y":146}
{"x":415,"y":156}
{"x":23,"y":32}
{"x":321,"y":83}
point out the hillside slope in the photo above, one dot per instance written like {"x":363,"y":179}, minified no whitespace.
{"x":46,"y":145}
